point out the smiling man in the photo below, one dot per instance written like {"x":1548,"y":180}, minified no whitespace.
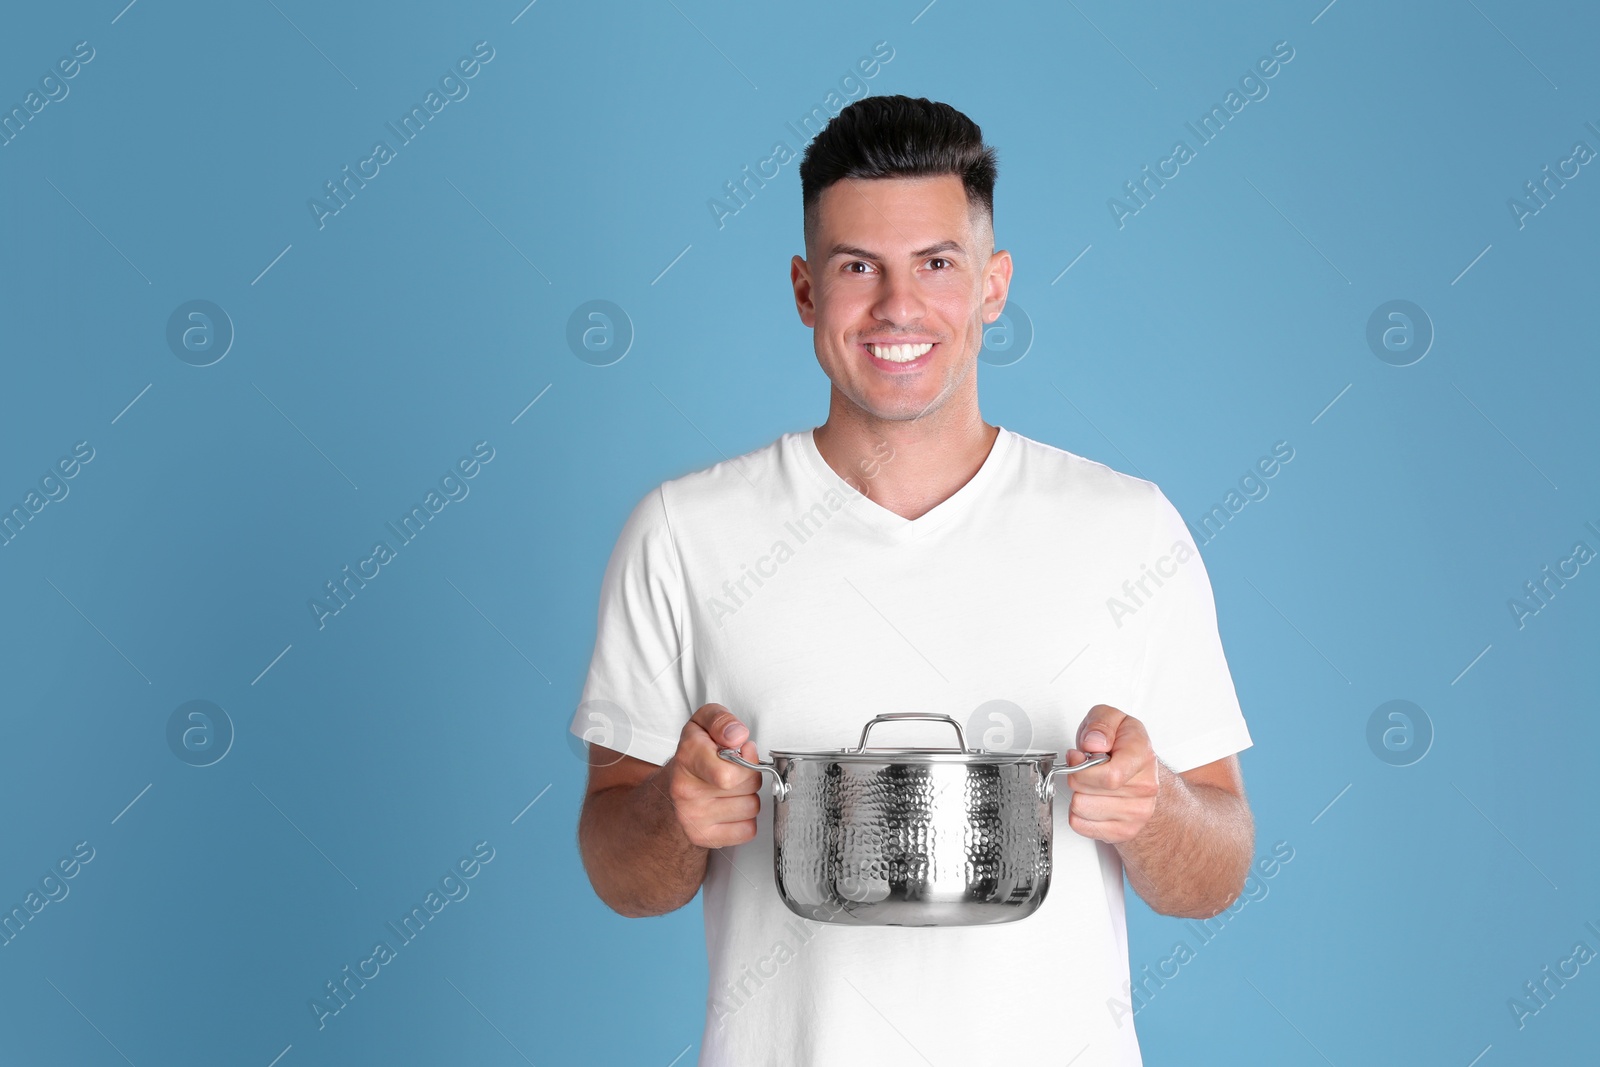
{"x":906,"y":555}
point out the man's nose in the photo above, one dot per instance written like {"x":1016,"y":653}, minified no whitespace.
{"x":900,"y":300}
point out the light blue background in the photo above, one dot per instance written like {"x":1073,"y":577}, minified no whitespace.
{"x":424,"y":317}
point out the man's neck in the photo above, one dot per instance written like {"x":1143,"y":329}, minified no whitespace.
{"x":908,"y":467}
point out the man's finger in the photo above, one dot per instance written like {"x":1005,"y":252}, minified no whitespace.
{"x":738,"y":779}
{"x":1100,"y":728}
{"x":1090,"y":779}
{"x":1111,"y":777}
{"x":1095,"y":807}
{"x":722,"y":725}
{"x":730,"y":809}
{"x":724,"y":776}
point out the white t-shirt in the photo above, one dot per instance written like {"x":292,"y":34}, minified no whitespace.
{"x":768,"y":584}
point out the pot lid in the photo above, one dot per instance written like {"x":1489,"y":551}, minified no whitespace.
{"x":916,"y":755}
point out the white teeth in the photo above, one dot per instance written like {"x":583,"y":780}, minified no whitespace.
{"x":899,"y":353}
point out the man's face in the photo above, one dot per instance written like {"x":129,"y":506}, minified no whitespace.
{"x":900,"y":261}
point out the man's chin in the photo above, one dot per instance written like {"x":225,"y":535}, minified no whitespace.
{"x":906,"y":408}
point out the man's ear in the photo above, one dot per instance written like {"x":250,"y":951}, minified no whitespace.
{"x":804,"y":296}
{"x":996,"y":284}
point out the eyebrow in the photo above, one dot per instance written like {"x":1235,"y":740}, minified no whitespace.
{"x":862,"y":253}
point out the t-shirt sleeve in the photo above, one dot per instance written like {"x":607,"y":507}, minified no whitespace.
{"x":635,"y":697}
{"x":1185,"y":695}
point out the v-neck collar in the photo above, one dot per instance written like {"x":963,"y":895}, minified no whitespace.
{"x":880,"y":518}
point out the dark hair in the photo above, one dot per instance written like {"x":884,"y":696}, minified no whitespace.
{"x":898,"y":137}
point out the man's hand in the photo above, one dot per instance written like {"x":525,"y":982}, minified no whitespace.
{"x":1114,"y":801}
{"x":716,"y":801}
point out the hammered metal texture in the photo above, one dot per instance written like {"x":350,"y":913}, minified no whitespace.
{"x":912,"y":844}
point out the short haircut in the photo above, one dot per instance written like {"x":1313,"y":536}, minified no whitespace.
{"x":898,"y":137}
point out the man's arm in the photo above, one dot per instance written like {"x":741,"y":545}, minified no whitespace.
{"x":646,"y":832}
{"x":637,"y":857}
{"x":1185,"y":839}
{"x":1192,"y":857}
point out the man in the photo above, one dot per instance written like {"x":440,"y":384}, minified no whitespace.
{"x":906,"y":555}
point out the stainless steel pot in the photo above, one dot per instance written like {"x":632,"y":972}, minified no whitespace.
{"x":912,"y":836}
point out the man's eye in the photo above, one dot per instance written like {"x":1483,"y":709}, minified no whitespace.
{"x":938,"y":259}
{"x":857,"y":263}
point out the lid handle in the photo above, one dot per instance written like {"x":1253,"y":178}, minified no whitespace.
{"x":961,"y":739}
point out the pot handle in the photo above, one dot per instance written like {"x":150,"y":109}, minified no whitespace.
{"x":961,"y":738}
{"x":1092,"y":761}
{"x":780,"y":788}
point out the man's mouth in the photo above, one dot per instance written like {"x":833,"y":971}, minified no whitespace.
{"x":899,"y":355}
